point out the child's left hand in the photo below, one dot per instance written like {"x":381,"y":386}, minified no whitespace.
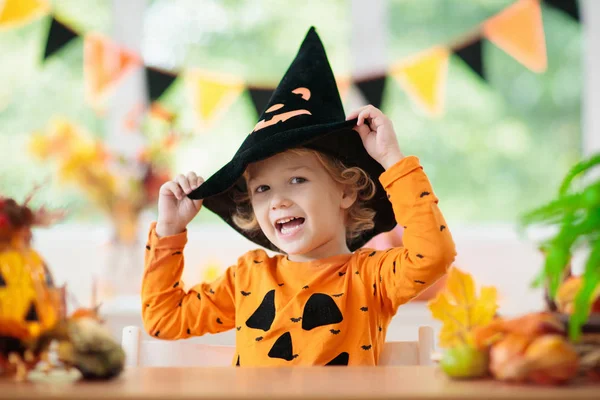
{"x":377,"y":134}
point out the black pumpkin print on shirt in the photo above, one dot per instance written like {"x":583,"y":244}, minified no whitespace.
{"x":341,"y":359}
{"x":264,"y":315}
{"x":319,"y":310}
{"x":283,"y":348}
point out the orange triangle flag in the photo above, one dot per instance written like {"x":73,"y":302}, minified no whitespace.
{"x":424,"y":78}
{"x":105,"y":64}
{"x":14,"y":13}
{"x":519,"y":31}
{"x":212,"y":94}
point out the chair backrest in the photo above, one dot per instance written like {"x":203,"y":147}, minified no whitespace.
{"x":417,"y":352}
{"x":164,"y":353}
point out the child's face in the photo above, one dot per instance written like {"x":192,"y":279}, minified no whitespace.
{"x":298,"y":205}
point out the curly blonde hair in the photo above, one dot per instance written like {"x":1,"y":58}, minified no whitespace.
{"x":359,"y":218}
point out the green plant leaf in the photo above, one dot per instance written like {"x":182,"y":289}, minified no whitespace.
{"x":576,"y":170}
{"x":585,"y":296}
{"x":552,"y":212}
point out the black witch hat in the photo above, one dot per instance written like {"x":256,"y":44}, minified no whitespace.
{"x":305,"y":110}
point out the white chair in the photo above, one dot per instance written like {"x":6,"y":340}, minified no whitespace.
{"x":165,"y":353}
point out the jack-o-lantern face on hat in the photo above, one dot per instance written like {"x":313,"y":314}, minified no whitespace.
{"x":302,"y":95}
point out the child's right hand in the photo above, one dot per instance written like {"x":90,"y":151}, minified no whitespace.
{"x":175,"y":209}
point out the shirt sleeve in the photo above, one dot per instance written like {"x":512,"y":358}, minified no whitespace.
{"x":171,"y":312}
{"x":399,"y":274}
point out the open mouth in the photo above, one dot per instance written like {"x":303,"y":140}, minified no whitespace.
{"x":289,"y":225}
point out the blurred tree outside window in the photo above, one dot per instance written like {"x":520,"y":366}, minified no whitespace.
{"x":500,"y":148}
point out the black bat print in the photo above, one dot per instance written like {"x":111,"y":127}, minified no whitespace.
{"x":258,"y":339}
{"x":364,"y":309}
{"x":341,"y":273}
{"x":211,"y":291}
{"x":257,"y":262}
{"x":219,"y":321}
{"x":338,"y":295}
{"x":280,"y":284}
{"x":296,"y":319}
{"x":238,"y":328}
{"x":245,"y":293}
{"x":366,"y":347}
{"x":305,"y":287}
{"x":334,"y":331}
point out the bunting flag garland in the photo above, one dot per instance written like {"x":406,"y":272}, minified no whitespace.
{"x":424,"y":78}
{"x":212,"y":93}
{"x":372,"y":90}
{"x":58,"y":37}
{"x":158,"y":82}
{"x":518,"y":30}
{"x":260,"y":98}
{"x":472,"y":55}
{"x":14,"y":13}
{"x":105,"y":64}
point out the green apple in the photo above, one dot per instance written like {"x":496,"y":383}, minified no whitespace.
{"x":465,"y":362}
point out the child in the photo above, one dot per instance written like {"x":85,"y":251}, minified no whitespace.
{"x":308,"y":186}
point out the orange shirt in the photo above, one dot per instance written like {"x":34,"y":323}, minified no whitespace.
{"x":333,"y":311}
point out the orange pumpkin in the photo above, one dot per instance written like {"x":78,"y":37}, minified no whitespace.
{"x":30,"y":304}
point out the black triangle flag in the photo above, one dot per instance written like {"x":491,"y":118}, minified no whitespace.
{"x":158,"y":82}
{"x":569,"y":7}
{"x":372,"y":90}
{"x":260,"y":98}
{"x":58,"y":37}
{"x":472,"y":55}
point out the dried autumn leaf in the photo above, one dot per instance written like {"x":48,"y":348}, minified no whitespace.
{"x":461,"y":310}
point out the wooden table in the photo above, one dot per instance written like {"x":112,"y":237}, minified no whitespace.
{"x":287,"y":383}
